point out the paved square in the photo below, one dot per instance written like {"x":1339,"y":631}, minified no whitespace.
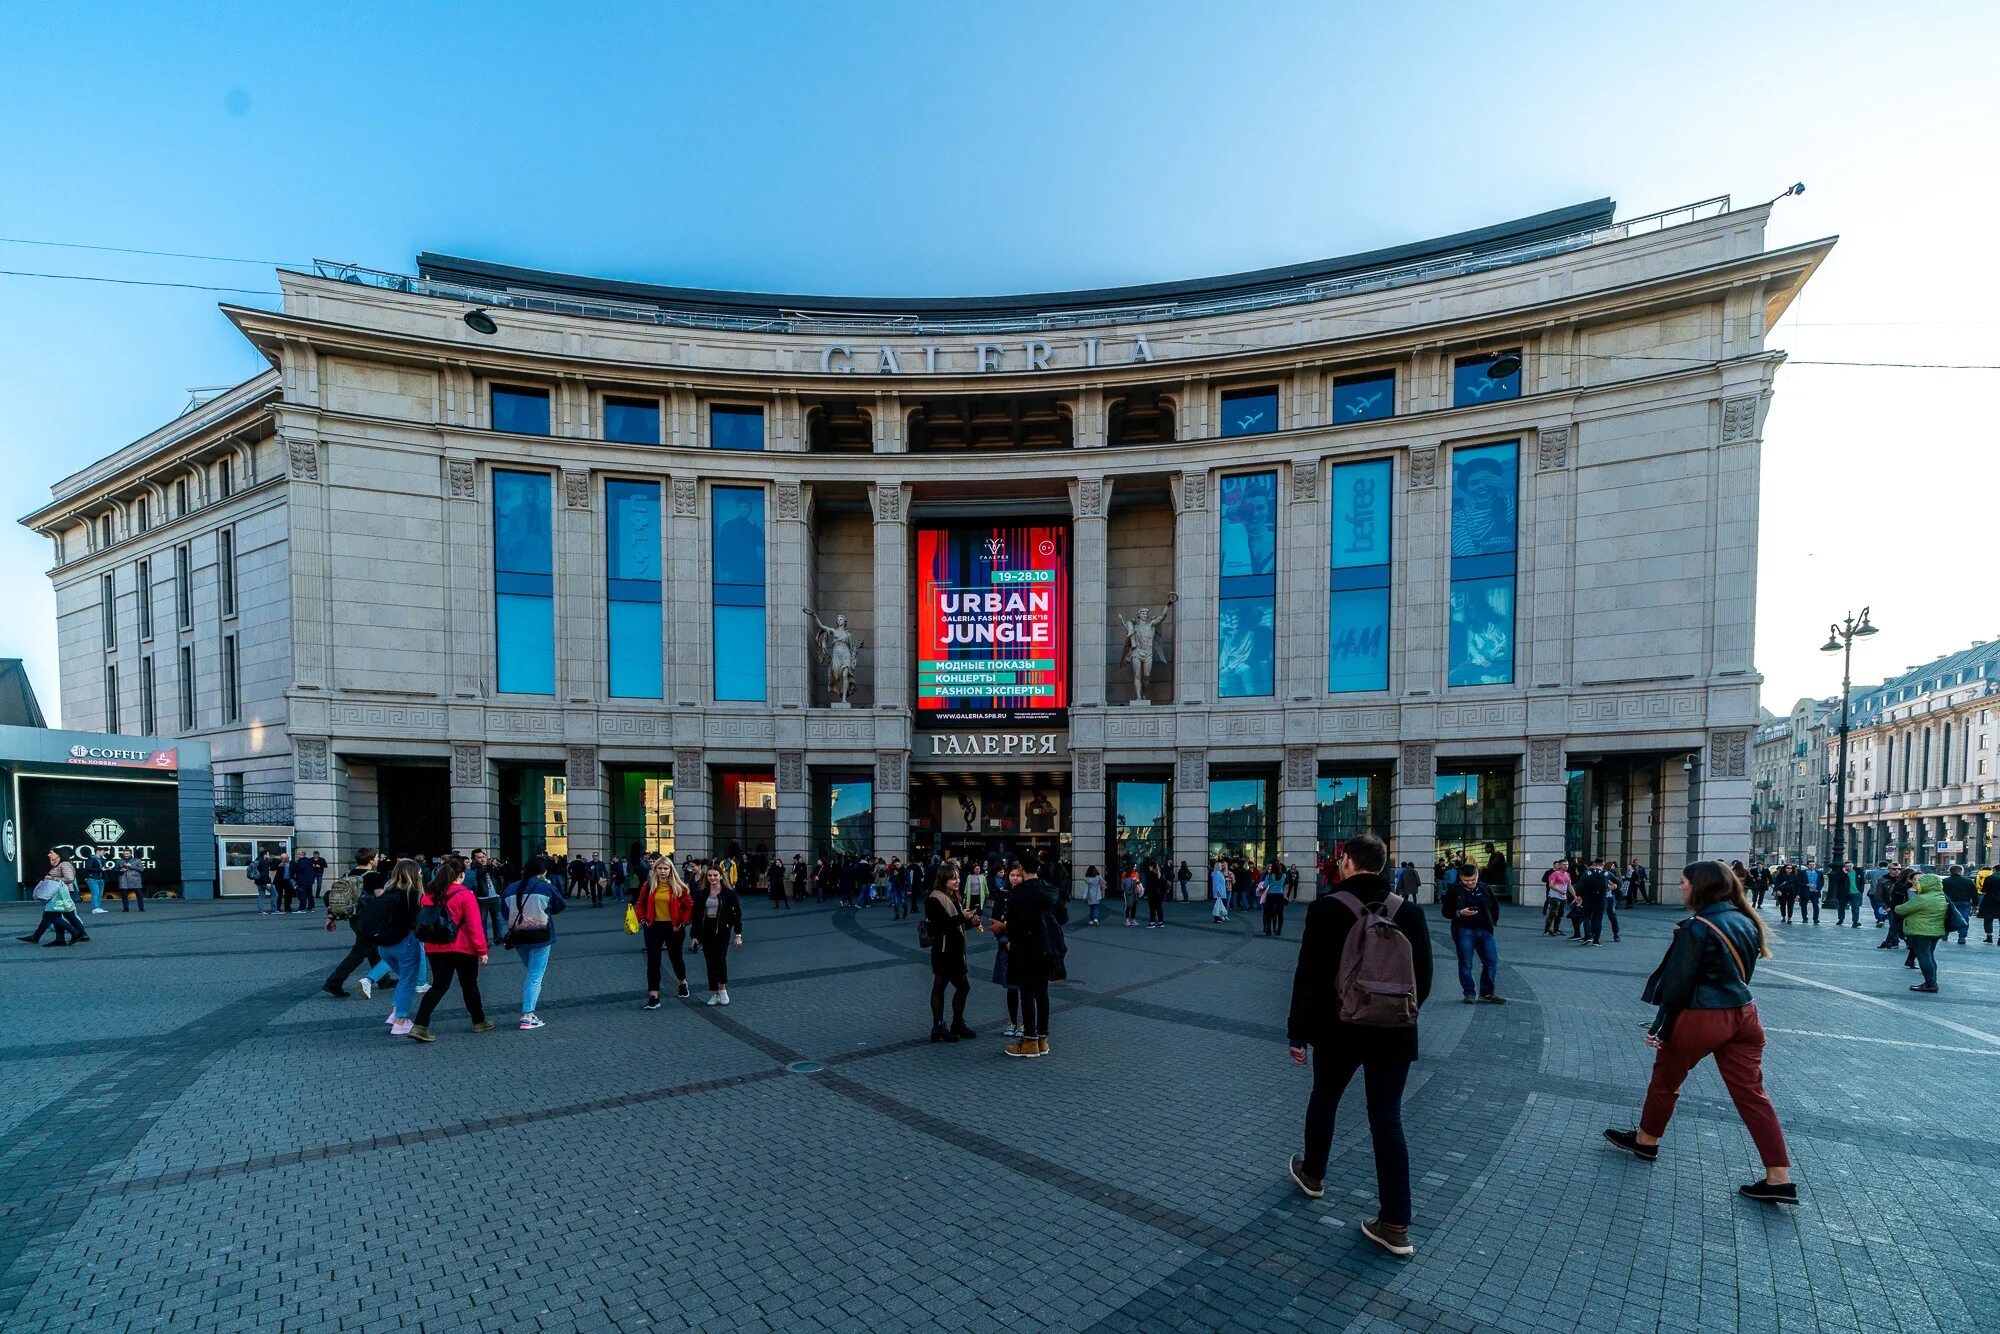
{"x":195,"y":1136}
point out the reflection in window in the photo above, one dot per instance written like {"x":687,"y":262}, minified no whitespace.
{"x":1475,"y":808}
{"x":1249,"y":411}
{"x":736,"y":428}
{"x":843,"y":815}
{"x":1140,"y":809}
{"x":1241,"y":819}
{"x":1358,"y":577}
{"x":746,"y":813}
{"x":521,"y":411}
{"x":1351,"y":805}
{"x":1246,"y":609}
{"x":632,"y":588}
{"x":1472,"y":383}
{"x":737,"y":519}
{"x":1363,"y":398}
{"x":642,"y":812}
{"x":1484,"y":526}
{"x":524,"y":603}
{"x":632,"y":421}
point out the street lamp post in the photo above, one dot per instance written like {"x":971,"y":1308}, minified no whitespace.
{"x":1840,"y":639}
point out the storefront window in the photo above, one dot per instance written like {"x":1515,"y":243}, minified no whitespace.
{"x":738,"y":524}
{"x":1484,"y":526}
{"x":1241,"y":819}
{"x":1475,"y":807}
{"x":746,"y":811}
{"x":843,"y":815}
{"x":1351,"y":805}
{"x":632,"y":588}
{"x":534,"y":813}
{"x":1247,"y":592}
{"x":1576,"y":812}
{"x":524,"y":602}
{"x":1141,"y":821}
{"x":642,"y":812}
{"x":1358,"y":606}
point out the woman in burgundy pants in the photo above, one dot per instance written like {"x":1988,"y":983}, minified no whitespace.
{"x":1703,"y":990}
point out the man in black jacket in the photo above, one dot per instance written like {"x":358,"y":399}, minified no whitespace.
{"x":1383,"y":1055}
{"x":1474,"y":915}
{"x":1591,"y":889}
{"x":367,"y":866}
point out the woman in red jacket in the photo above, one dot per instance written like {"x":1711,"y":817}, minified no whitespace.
{"x":460,"y":957}
{"x":665,"y":907}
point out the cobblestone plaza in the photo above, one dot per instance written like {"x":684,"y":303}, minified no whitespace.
{"x":196,"y":1139}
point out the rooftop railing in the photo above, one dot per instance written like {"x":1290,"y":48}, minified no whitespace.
{"x":835,"y":322}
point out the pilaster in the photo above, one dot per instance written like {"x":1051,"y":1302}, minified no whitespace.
{"x":589,"y":803}
{"x":687,"y":597}
{"x":892,"y":604}
{"x":475,"y":799}
{"x":1723,"y":818}
{"x":306,"y":562}
{"x":581,"y":612}
{"x":1302,"y":605}
{"x":1424,"y":574}
{"x":1540,"y":813}
{"x":1298,"y":815}
{"x":892,"y":805}
{"x":1090,"y":503}
{"x":1191,"y":814}
{"x":1194,"y":631}
{"x":465,"y":589}
{"x":320,"y":801}
{"x":790,"y":592}
{"x":693,"y":818}
{"x":1550,"y":557}
{"x":793,"y":833}
{"x":1089,"y":836}
{"x":1413,"y":821}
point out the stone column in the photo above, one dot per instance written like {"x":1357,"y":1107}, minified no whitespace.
{"x":693,"y":819}
{"x":1298,"y":815}
{"x":794,"y":822}
{"x":1645,"y":800}
{"x":1425,"y":575}
{"x":589,"y":803}
{"x":1089,"y":501}
{"x":465,"y":579}
{"x":364,"y":808}
{"x":1723,"y":828}
{"x":319,"y":801}
{"x":892,"y":606}
{"x":1674,"y":852}
{"x":1544,"y":612}
{"x":1191,"y":814}
{"x":580,"y":611}
{"x":1540,"y":810}
{"x":892,"y":804}
{"x":687,"y":599}
{"x":1194,"y":615}
{"x":306,"y":561}
{"x":790,"y":591}
{"x":1413,"y":824}
{"x":475,"y":800}
{"x":1302,"y":604}
{"x":1090,"y":841}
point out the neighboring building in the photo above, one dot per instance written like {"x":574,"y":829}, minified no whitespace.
{"x":146,"y":797}
{"x":18,"y":705}
{"x":1462,"y":536}
{"x":1798,"y":803}
{"x":1771,"y":762}
{"x":1923,"y":763}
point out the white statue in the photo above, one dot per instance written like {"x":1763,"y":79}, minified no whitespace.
{"x":1142,"y":645}
{"x":840,"y":651}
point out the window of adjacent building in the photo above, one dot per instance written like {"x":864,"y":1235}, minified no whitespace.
{"x":524,"y":591}
{"x":232,"y":681}
{"x":735,"y":427}
{"x":186,"y":684}
{"x":181,"y":505}
{"x":1472,"y":383}
{"x":1484,"y":534}
{"x":632,"y":587}
{"x":1363,"y":398}
{"x":225,"y":479}
{"x":149,"y":716}
{"x":107,"y":610}
{"x":143,"y":577}
{"x":632,"y":421}
{"x":1358,"y":578}
{"x":520,"y":411}
{"x":737,"y":519}
{"x":103,"y":530}
{"x":1944,"y":755}
{"x":1924,"y":770}
{"x":225,"y":569}
{"x":183,"y":586}
{"x":1246,"y":607}
{"x":1142,"y":815}
{"x":110,"y":697}
{"x":142,"y":514}
{"x":1249,"y":411}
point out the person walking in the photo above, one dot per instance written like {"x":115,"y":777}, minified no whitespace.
{"x":1272,"y":896}
{"x":1961,"y":889}
{"x":1474,"y":915}
{"x":1093,"y":893}
{"x":385,"y":916}
{"x":1895,"y":893}
{"x":455,"y":943}
{"x":1181,"y":878}
{"x":718,"y":923}
{"x":1033,"y":941}
{"x":260,"y":876}
{"x":1702,"y":989}
{"x":1218,"y":892}
{"x":1557,"y":890}
{"x":93,"y":873}
{"x":1989,"y":902}
{"x":1129,"y":887}
{"x":304,"y":876}
{"x":1809,"y":893}
{"x":368,"y":868}
{"x":483,"y":878}
{"x":1844,"y":893}
{"x":131,"y":883}
{"x":57,"y":892}
{"x":1326,"y":1019}
{"x":1590,"y":892}
{"x":1153,"y":884}
{"x":531,"y":904}
{"x":1924,"y":918}
{"x":665,"y":907}
{"x":947,"y":917}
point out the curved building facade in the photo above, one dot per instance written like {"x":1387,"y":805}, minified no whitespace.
{"x":1454,"y":542}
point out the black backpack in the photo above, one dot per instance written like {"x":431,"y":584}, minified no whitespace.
{"x":435,"y":925}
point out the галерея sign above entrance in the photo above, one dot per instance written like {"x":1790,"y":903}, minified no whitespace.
{"x":957,"y":750}
{"x":1034,"y":354}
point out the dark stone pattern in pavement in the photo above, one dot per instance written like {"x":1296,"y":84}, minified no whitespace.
{"x":193,"y":1136}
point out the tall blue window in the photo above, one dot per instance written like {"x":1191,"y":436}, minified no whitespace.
{"x":632,"y":421}
{"x":1358,"y":600}
{"x":521,"y":411}
{"x":632,"y":588}
{"x":1472,"y":381}
{"x":736,"y":428}
{"x":1363,"y":398}
{"x":1485,"y":523}
{"x":1247,"y":593}
{"x":524,"y":586}
{"x":737,"y":519}
{"x":1249,"y":411}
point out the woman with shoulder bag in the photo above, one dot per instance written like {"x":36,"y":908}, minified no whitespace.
{"x":1702,"y":988}
{"x":454,"y":939}
{"x":1034,"y":954}
{"x":1093,"y":893}
{"x":947,"y":917}
{"x":531,"y":932}
{"x":718,"y":922}
{"x":57,"y":892}
{"x":387,"y":918}
{"x":665,"y":907}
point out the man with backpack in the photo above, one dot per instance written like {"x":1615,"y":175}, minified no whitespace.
{"x":1364,"y":972}
{"x":1474,"y":915}
{"x":343,"y":902}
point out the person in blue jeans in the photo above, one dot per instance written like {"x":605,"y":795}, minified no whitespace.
{"x":531,"y":904}
{"x":1809,"y":883}
{"x":1474,"y":914}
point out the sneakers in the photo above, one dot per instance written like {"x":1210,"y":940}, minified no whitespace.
{"x":391,"y":1019}
{"x":960,"y":1031}
{"x":422,"y":987}
{"x":1928,"y":987}
{"x":99,"y":910}
{"x":419,"y":1033}
{"x":483,"y":1026}
{"x":1311,"y":1187}
{"x":724,"y":993}
{"x":529,"y":1021}
{"x":683,"y":992}
{"x":1013,"y":1030}
{"x":1471,"y":999}
{"x":1395,"y":1240}
{"x":1628,"y":1140}
{"x":400,"y":1028}
{"x":1492,"y":1000}
{"x":1766,"y":1193}
{"x":939,"y":1033}
{"x":367,"y":988}
{"x":652,"y":1003}
{"x":715,"y":998}
{"x":1024,"y":1047}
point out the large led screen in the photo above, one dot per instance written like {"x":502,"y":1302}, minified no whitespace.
{"x":993,"y":622}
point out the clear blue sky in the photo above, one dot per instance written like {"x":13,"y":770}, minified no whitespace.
{"x":886,"y":148}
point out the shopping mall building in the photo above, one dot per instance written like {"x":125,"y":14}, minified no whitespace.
{"x":1455,"y":542}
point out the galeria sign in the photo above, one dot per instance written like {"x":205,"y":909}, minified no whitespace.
{"x":1034,"y":354}
{"x":1000,"y":745}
